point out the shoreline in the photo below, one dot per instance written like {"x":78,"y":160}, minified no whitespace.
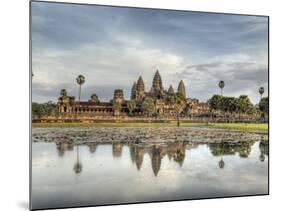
{"x":139,"y":135}
{"x":240,"y":127}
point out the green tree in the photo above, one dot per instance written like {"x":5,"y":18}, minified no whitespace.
{"x":43,"y":109}
{"x":80,"y":81}
{"x":179,"y":105}
{"x":131,"y":105}
{"x":264,"y":104}
{"x":148,"y":106}
{"x":78,"y":165}
{"x":215,"y":102}
{"x":49,"y":108}
{"x":245,"y":105}
{"x":261,"y":91}
{"x":37,"y":110}
{"x":229,"y":104}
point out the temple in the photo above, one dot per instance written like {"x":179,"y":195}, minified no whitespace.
{"x":154,"y":102}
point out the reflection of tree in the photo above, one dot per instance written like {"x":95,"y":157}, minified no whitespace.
{"x":64,"y":146}
{"x":179,"y":154}
{"x":228,"y":148}
{"x":261,"y":157}
{"x":219,"y":149}
{"x":225,"y":148}
{"x":263,"y":146}
{"x":77,"y":166}
{"x":221,"y":163}
{"x":117,"y":149}
{"x":244,"y":150}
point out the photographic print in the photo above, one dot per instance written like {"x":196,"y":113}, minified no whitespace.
{"x":135,"y":105}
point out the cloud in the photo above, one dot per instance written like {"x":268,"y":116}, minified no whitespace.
{"x":112,"y":46}
{"x":242,"y":75}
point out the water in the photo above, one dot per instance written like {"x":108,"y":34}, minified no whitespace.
{"x":69,"y":175}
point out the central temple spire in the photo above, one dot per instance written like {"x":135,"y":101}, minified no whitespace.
{"x":157,"y":82}
{"x":140,"y":91}
{"x":181,"y":89}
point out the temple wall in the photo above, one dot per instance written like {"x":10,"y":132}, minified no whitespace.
{"x":141,"y":119}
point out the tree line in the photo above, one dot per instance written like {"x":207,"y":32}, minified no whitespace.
{"x":43,"y":109}
{"x":241,"y":105}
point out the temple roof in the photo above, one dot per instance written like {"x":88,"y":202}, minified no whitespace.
{"x":157,"y":81}
{"x":181,"y":88}
{"x":171,"y":90}
{"x":140,"y":84}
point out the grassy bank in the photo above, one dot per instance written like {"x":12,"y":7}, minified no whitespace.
{"x":258,"y":128}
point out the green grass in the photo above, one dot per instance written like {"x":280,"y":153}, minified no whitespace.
{"x":248,"y":127}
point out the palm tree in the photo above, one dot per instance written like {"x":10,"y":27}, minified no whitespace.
{"x":131,"y":105}
{"x":179,"y":105}
{"x":77,"y":166}
{"x":221,"y":85}
{"x":80,"y":81}
{"x":221,"y":164}
{"x":261,"y":91}
{"x":63,"y":92}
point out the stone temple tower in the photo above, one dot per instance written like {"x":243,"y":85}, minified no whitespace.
{"x":140,"y":93}
{"x":181,"y":89}
{"x":171,"y":90}
{"x":157,"y":82}
{"x":118,"y":96}
{"x":133,"y":91}
{"x":157,"y":89}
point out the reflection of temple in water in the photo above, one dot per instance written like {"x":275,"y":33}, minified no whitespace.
{"x":117,"y":149}
{"x":64,"y":146}
{"x":92,"y":147}
{"x":263,"y":146}
{"x":174,"y":150}
{"x":156,"y":155}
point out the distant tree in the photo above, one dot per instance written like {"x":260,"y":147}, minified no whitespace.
{"x":80,"y":81}
{"x":37,"y":110}
{"x":221,"y":85}
{"x":180,"y":105}
{"x":245,"y":105}
{"x":264,"y":104}
{"x":63,"y":92}
{"x":221,"y":164}
{"x":43,"y":109}
{"x":131,"y":105}
{"x":233,"y":107}
{"x":229,"y":104}
{"x":215,"y":102}
{"x":77,"y":166}
{"x":261,"y":91}
{"x":49,"y":107}
{"x":148,"y":106}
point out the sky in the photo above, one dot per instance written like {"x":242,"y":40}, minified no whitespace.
{"x":113,"y":46}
